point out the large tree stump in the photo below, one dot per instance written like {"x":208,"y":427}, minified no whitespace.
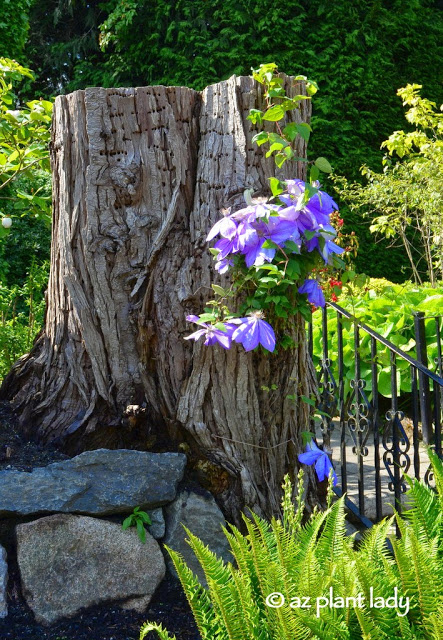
{"x":140,"y":175}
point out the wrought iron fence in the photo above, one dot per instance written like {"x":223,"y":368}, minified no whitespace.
{"x":372,"y":443}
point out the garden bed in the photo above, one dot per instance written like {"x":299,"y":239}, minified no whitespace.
{"x":105,"y":622}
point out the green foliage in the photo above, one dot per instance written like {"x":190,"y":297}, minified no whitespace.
{"x":406,"y":200}
{"x":14,"y":27}
{"x":279,"y":584}
{"x":387,"y":308}
{"x":22,"y":311}
{"x":137,"y":519}
{"x":358,"y":52}
{"x":24,"y":138}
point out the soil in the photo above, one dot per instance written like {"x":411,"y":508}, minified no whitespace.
{"x":105,"y":622}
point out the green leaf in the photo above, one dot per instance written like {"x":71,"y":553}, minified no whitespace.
{"x":268,"y":267}
{"x":306,"y":437}
{"x":145,"y":517}
{"x":314,"y":173}
{"x":276,"y":186}
{"x":293,"y":246}
{"x":274,"y":113}
{"x":322,"y":164}
{"x":267,"y":280}
{"x":268,"y":244}
{"x":291,"y":131}
{"x":218,"y":290}
{"x":260,"y":138}
{"x":304,"y":130}
{"x":127,"y":522}
{"x":293,"y":269}
{"x":255,"y":116}
{"x":141,"y":531}
{"x":207,"y":317}
{"x":308,"y":401}
{"x":280,"y":159}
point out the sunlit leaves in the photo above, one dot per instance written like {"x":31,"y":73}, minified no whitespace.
{"x":24,"y":137}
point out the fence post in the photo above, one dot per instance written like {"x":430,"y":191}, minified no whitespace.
{"x":424,"y":392}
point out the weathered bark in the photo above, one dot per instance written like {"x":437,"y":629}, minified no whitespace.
{"x":140,"y":175}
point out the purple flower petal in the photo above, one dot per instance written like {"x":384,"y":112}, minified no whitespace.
{"x":196,"y":335}
{"x":314,"y":292}
{"x":251,"y":337}
{"x":314,"y":455}
{"x":321,"y":466}
{"x":267,"y":335}
{"x":223,"y":265}
{"x":225,"y":227}
{"x":309,"y":457}
{"x":254,"y":331}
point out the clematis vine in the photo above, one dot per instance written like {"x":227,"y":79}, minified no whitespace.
{"x":275,"y":251}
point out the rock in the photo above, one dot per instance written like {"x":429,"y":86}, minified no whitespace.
{"x":3,"y":583}
{"x":157,"y":526}
{"x":96,"y":482}
{"x":201,"y":515}
{"x":68,"y":562}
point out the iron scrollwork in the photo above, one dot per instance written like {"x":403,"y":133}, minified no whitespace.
{"x":395,"y":457}
{"x":359,"y":418}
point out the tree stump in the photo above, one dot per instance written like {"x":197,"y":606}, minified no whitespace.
{"x":140,"y":176}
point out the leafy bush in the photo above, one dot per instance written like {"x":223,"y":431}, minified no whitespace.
{"x":387,"y":308}
{"x":406,"y":198}
{"x":300,"y":564}
{"x":24,"y":139}
{"x":22,"y":310}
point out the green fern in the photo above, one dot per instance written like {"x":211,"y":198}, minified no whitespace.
{"x":152,"y":626}
{"x":307,"y":560}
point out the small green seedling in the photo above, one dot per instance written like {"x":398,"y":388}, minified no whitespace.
{"x":137,"y":519}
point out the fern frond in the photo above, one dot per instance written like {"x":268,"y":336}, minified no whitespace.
{"x":214,"y":567}
{"x":328,"y":626}
{"x":331,"y":541}
{"x":197,"y":597}
{"x":251,"y":611}
{"x":425,"y":514}
{"x":152,"y":626}
{"x":374,"y":545}
{"x":370,"y":629}
{"x":434,"y":624}
{"x":260,"y":556}
{"x":420,"y":572}
{"x":437,"y":468}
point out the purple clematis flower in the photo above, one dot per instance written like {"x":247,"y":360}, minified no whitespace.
{"x":314,"y":292}
{"x":321,"y":204}
{"x":225,"y":227}
{"x":223,"y":265}
{"x":329,"y":248}
{"x":213,"y":335}
{"x":254,"y":212}
{"x":252,"y":239}
{"x":226,"y":246}
{"x":314,"y":455}
{"x":254,"y":331}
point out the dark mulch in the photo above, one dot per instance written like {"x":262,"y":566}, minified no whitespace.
{"x":168,"y":607}
{"x":17,"y":453}
{"x":105,"y":622}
